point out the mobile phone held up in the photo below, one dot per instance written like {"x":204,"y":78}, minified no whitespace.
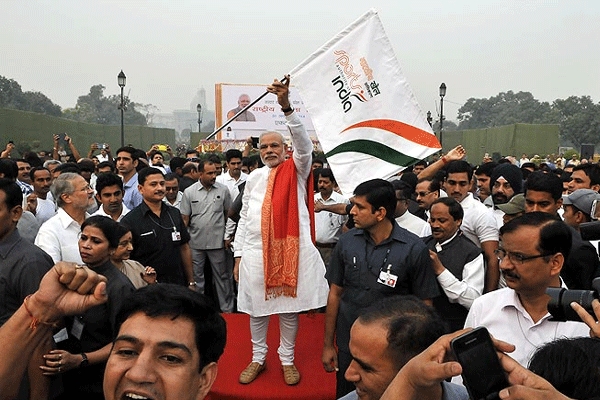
{"x":255,"y":142}
{"x":482,"y":374}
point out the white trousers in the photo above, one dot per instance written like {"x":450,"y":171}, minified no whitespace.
{"x":288,"y":329}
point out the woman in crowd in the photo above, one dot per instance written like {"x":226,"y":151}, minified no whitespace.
{"x":85,"y":341}
{"x":139,"y":275}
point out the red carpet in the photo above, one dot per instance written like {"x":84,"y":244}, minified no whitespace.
{"x":315,"y":383}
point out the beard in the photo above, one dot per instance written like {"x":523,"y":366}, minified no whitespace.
{"x":500,"y":198}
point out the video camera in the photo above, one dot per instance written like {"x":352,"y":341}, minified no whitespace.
{"x":559,"y":305}
{"x":560,"y":298}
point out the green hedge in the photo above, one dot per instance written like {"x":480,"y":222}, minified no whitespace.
{"x":32,"y":130}
{"x":511,"y":140}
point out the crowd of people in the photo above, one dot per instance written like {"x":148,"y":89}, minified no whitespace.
{"x":97,"y":249}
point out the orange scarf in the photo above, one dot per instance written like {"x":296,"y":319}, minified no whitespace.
{"x":280,"y":230}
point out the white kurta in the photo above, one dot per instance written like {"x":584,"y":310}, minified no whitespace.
{"x":312,"y":287}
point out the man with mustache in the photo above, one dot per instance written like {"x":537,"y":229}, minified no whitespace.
{"x":506,"y":181}
{"x":41,"y":180}
{"x":426,"y":191}
{"x":533,"y":250}
{"x":160,"y":238}
{"x":278,"y":268}
{"x":328,"y":225}
{"x":478,"y":223}
{"x":204,"y":209}
{"x":456,"y":261}
{"x":375,"y":260}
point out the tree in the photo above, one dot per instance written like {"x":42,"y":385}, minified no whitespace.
{"x":39,"y":103}
{"x":504,"y":109}
{"x":579,"y":119}
{"x":12,"y":96}
{"x":96,"y":108}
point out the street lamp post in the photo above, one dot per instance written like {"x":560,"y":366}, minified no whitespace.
{"x":121,"y":78}
{"x":442,"y":94}
{"x":199,"y":109}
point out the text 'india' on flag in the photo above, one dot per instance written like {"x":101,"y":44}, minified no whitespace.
{"x":365,"y":115}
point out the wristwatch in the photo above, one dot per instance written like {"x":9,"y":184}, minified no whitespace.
{"x":287,"y":109}
{"x":84,"y":361}
{"x":192,"y":283}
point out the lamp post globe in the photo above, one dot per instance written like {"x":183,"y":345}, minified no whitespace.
{"x":121,"y":80}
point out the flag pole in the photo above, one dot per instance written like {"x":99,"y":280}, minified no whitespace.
{"x":230,"y":120}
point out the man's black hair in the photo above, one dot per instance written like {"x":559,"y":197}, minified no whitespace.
{"x":12,"y":191}
{"x":379,"y":193}
{"x":411,"y":324}
{"x":106,"y":179}
{"x":591,"y":170}
{"x":454,"y":208}
{"x":571,"y":365}
{"x":459,"y":166}
{"x":143,"y":174}
{"x":543,"y":182}
{"x":9,"y":168}
{"x":486,"y":169}
{"x":555,"y":235}
{"x":232,"y":153}
{"x":105,"y":164}
{"x":175,"y":301}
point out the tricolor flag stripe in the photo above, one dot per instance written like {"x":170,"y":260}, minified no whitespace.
{"x":406,"y":131}
{"x":375,"y":149}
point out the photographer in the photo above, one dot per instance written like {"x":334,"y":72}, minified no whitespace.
{"x":104,"y":152}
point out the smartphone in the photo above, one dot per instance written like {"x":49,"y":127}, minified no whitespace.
{"x":255,"y":142}
{"x":482,"y":374}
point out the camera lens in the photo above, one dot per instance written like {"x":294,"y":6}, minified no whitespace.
{"x":559,"y":305}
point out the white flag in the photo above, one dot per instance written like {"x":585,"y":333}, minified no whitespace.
{"x":365,"y":115}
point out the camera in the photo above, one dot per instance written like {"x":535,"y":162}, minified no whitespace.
{"x":559,"y":305}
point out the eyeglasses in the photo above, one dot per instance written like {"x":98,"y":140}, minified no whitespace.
{"x":194,"y":159}
{"x":422,"y":194}
{"x":516,"y":258}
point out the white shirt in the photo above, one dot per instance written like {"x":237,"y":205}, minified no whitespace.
{"x":101,"y":212}
{"x":312,"y":287}
{"x":59,"y":237}
{"x":231,"y":183}
{"x":102,"y":158}
{"x":177,"y":200}
{"x":470,"y":287}
{"x":45,"y":210}
{"x":502,"y":313}
{"x":412,"y":223}
{"x":328,"y":225}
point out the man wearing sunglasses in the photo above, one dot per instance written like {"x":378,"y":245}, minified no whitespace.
{"x":533,"y":249}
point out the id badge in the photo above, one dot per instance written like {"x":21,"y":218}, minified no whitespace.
{"x":61,"y":335}
{"x":387,"y":279}
{"x":175,"y":236}
{"x":77,"y":328}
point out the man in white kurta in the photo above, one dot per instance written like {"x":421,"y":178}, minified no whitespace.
{"x":312,"y":287}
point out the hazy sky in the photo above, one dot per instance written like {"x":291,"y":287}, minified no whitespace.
{"x":170,"y":48}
